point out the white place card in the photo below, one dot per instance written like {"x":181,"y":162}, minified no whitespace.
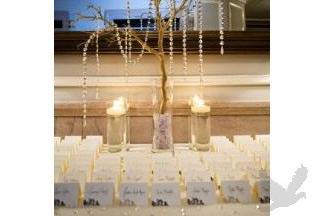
{"x":263,"y":190}
{"x":98,"y":139}
{"x":72,"y":140}
{"x":197,"y":176}
{"x":236,"y":191}
{"x":98,"y":194}
{"x":57,"y":140}
{"x":134,"y":194}
{"x":66,"y":194}
{"x":201,"y":193}
{"x":166,"y":194}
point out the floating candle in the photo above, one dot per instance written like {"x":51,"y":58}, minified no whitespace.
{"x":200,"y":124}
{"x":198,"y":105}
{"x":117,"y":109}
{"x":116,"y":125}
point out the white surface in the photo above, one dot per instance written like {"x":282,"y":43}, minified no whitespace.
{"x":218,"y":209}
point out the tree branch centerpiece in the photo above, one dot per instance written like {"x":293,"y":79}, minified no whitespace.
{"x":163,"y":96}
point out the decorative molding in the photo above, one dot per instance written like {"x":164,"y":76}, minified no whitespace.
{"x":180,"y":108}
{"x":236,"y":42}
{"x":216,"y":80}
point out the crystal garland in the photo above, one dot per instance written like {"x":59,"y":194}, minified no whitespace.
{"x":221,"y":25}
{"x":199,"y":11}
{"x":147,"y":31}
{"x":128,"y":43}
{"x":171,"y":53}
{"x":184,"y":20}
{"x":128,"y":35}
{"x":84,"y":79}
{"x":119,"y":42}
{"x":97,"y":64}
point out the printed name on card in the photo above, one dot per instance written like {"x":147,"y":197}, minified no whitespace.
{"x":99,"y":194}
{"x":66,"y":194}
{"x":200,"y":193}
{"x":236,"y":191}
{"x":134,"y":194}
{"x":166,"y":194}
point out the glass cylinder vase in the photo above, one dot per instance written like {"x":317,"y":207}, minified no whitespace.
{"x":116,"y":128}
{"x":200,"y":128}
{"x":162,"y":118}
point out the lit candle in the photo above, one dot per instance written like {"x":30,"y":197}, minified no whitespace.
{"x":200,"y":124}
{"x":116,"y":125}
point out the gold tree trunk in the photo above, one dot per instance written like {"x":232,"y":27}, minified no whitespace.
{"x":163,"y":99}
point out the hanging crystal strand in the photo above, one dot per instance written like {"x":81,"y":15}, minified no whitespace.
{"x":97,"y":63}
{"x":126,"y":29}
{"x":141,"y":24}
{"x":129,"y":38}
{"x":154,"y":20}
{"x":149,"y":17}
{"x":119,"y":42}
{"x":184,"y":19}
{"x":199,"y":11}
{"x":84,"y":80}
{"x":126,"y":39}
{"x":175,"y":24}
{"x":171,"y":54}
{"x":221,"y":25}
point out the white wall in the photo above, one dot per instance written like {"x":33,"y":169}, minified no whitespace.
{"x":70,"y":65}
{"x":228,"y":67}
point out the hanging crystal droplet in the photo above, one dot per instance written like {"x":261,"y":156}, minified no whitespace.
{"x":171,"y":53}
{"x":200,"y":16}
{"x":84,"y":80}
{"x":184,"y":19}
{"x":221,"y":25}
{"x":97,"y":65}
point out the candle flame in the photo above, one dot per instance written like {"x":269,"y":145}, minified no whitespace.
{"x":197,"y":101}
{"x":119,"y":104}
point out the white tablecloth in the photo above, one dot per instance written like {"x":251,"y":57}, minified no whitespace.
{"x":212,"y":210}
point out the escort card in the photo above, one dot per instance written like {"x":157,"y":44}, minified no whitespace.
{"x":66,"y":194}
{"x":236,"y":191}
{"x":98,"y":194}
{"x":165,"y":194}
{"x":134,"y":194}
{"x":263,"y":190}
{"x":201,"y":193}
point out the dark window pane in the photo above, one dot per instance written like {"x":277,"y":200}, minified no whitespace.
{"x":58,"y":24}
